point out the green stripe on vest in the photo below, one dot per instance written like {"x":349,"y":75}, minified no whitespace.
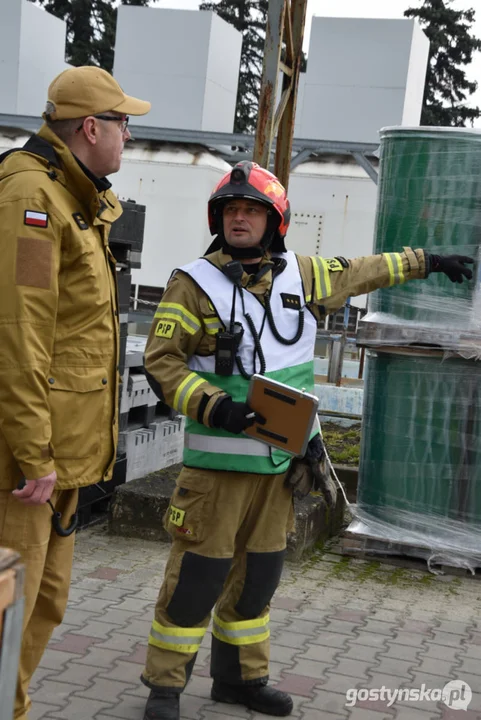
{"x":300,"y":377}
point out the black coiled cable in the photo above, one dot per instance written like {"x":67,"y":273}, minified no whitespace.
{"x":275,"y":332}
{"x":259,"y":351}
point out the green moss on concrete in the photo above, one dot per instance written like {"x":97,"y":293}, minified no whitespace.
{"x":342,"y":443}
{"x":359,"y":571}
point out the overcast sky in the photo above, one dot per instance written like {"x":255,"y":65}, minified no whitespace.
{"x":370,"y":9}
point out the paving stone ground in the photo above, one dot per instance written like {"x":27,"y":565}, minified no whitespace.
{"x":339,"y":625}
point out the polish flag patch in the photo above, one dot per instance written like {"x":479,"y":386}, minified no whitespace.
{"x":38,"y":219}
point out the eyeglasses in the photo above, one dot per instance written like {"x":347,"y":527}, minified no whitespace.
{"x":123,"y":121}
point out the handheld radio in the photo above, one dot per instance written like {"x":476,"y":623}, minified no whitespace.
{"x":227,"y":342}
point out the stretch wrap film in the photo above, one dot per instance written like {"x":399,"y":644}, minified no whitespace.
{"x":429,"y":197}
{"x":420,"y":466}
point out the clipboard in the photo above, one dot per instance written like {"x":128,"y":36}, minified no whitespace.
{"x":289,"y":414}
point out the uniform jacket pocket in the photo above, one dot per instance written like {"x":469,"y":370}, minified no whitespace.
{"x":78,"y":403}
{"x":188,"y":514}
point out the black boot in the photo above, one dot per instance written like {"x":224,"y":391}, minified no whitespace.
{"x":162,"y":707}
{"x":262,"y":698}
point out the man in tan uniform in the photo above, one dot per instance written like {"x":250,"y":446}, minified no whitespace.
{"x":59,"y":334}
{"x":248,"y":306}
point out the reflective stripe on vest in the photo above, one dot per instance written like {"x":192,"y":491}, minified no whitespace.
{"x":232,"y":445}
{"x":246,"y":632}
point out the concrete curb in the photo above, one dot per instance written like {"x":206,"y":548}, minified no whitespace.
{"x":137,"y":509}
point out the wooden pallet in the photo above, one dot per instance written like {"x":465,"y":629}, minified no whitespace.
{"x":406,"y":554}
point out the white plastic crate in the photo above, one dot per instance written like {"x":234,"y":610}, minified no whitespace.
{"x":135,"y":390}
{"x":153,"y":448}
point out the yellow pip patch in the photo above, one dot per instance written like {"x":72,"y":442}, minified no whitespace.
{"x":176,"y":516}
{"x":165,"y":328}
{"x":334,"y":265}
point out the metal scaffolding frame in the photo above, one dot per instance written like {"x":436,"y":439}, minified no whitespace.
{"x":232,"y":147}
{"x":284,"y":32}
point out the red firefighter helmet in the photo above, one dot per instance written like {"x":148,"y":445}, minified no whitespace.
{"x":249,"y":180}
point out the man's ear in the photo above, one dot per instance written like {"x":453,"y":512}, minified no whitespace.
{"x":90,"y":128}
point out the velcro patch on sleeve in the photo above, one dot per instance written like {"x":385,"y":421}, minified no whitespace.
{"x":36,"y":219}
{"x":34,"y":262}
{"x":335,"y":265}
{"x":165,"y":328}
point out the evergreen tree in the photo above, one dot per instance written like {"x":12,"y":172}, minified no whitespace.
{"x":90,"y":28}
{"x":452,"y":46}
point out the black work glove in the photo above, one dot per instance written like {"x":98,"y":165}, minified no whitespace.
{"x":312,"y":472}
{"x":231,"y":416}
{"x":454,"y":266}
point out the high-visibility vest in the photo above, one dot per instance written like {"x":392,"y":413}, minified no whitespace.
{"x":217,"y":449}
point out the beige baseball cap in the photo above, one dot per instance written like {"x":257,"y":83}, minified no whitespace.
{"x":88,"y":90}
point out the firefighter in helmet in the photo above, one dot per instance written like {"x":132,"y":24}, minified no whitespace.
{"x":248,"y":306}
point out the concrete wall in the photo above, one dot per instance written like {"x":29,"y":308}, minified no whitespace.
{"x":362,"y":75}
{"x":333,"y":207}
{"x":333,"y":211}
{"x":185,"y":62}
{"x":222,"y":76}
{"x":32,"y":53}
{"x":42,"y":57}
{"x":11,"y":13}
{"x":416,"y":77}
{"x":346,"y":203}
{"x":175,"y":185}
{"x":301,"y":88}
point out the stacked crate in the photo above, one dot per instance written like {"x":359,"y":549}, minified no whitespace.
{"x":151,"y":434}
{"x":125,"y":241}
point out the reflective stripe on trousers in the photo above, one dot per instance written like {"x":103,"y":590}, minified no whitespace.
{"x":245,"y":632}
{"x":184,"y":640}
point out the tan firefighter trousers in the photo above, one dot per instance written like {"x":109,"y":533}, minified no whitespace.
{"x":48,"y":562}
{"x":229,"y":538}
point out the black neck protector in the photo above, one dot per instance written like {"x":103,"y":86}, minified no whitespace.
{"x":247,"y":253}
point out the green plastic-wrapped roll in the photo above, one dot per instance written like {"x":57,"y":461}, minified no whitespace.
{"x":421,"y":452}
{"x":429,"y":197}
